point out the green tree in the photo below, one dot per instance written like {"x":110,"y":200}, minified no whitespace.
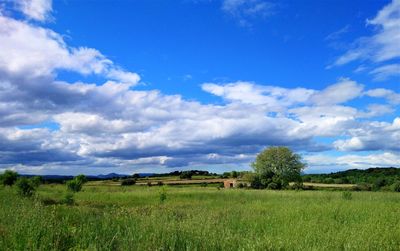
{"x":187,"y":175}
{"x":36,"y":181}
{"x":8,"y":178}
{"x":280,"y":163}
{"x":75,"y":185}
{"x":25,"y":187}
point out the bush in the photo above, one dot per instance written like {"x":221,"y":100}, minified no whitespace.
{"x":362,"y":187}
{"x":74,"y":185}
{"x":149,"y":183}
{"x":346,"y":195}
{"x":36,"y":181}
{"x":128,"y":182}
{"x":187,"y":175}
{"x":242,"y":185}
{"x":25,"y":187}
{"x":297,"y":186}
{"x":160,"y":183}
{"x":396,"y":186}
{"x":68,"y":199}
{"x":8,"y":178}
{"x":272,"y":186}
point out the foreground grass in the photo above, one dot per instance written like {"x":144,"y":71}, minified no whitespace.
{"x":194,"y":218}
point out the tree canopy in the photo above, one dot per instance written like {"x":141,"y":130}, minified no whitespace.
{"x":279,"y":162}
{"x":8,"y":178}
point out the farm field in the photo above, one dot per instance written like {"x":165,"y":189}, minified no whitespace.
{"x":107,"y":217}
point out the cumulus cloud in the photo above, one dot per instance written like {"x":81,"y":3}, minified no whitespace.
{"x":322,"y":163}
{"x":110,"y":124}
{"x":38,"y":10}
{"x":36,"y":51}
{"x":372,"y":137}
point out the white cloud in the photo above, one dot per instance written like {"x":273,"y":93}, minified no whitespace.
{"x":36,"y":51}
{"x":323,"y":162}
{"x":372,"y":136}
{"x":35,"y":9}
{"x":244,"y":10}
{"x":390,"y":95}
{"x":338,"y":93}
{"x":384,"y":72}
{"x":112,"y":125}
{"x":382,"y":46}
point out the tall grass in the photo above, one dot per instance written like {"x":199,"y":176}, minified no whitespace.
{"x":197,"y":218}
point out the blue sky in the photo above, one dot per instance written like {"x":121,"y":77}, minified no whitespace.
{"x":156,"y":86}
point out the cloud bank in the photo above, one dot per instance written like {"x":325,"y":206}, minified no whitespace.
{"x":49,"y":125}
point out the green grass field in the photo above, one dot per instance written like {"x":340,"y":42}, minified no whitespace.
{"x":199,"y":218}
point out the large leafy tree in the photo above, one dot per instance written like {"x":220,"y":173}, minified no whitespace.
{"x":8,"y":178}
{"x":279,"y":162}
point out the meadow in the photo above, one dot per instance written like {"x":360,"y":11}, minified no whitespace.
{"x":107,"y":217}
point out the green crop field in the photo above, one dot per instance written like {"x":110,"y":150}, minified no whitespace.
{"x":198,"y":218}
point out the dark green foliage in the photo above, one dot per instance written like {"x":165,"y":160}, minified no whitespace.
{"x":187,"y":175}
{"x":136,"y":176}
{"x":280,"y":162}
{"x":68,"y":199}
{"x":128,"y":182}
{"x":376,"y":178}
{"x":160,"y":183}
{"x":8,"y":178}
{"x":25,"y":187}
{"x":75,"y":185}
{"x":149,"y":183}
{"x":81,"y":178}
{"x":36,"y":181}
{"x":396,"y":186}
{"x":362,"y":187}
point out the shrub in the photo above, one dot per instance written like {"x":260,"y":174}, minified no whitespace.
{"x":186,"y":175}
{"x":149,"y":183}
{"x":25,"y":187}
{"x":346,"y":195}
{"x":272,"y":186}
{"x":396,"y":186}
{"x":68,"y":199}
{"x":74,"y":185}
{"x":204,"y":184}
{"x":8,"y":178}
{"x":297,"y":186}
{"x":128,"y":182}
{"x":160,"y":183}
{"x":362,"y":187}
{"x":36,"y":181}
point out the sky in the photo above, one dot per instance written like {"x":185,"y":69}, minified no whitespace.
{"x":128,"y":86}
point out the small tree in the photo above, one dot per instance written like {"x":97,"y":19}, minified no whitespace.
{"x":36,"y":181}
{"x":186,"y":175}
{"x":25,"y":187}
{"x":128,"y":182}
{"x":278,"y":165}
{"x":8,"y":178}
{"x":75,"y":185}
